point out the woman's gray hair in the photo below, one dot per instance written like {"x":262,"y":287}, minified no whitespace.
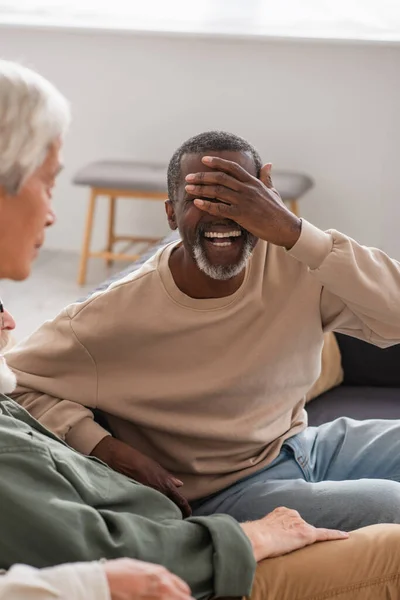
{"x":33,"y":115}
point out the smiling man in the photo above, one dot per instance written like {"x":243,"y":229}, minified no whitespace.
{"x":205,"y":354}
{"x":220,"y":247}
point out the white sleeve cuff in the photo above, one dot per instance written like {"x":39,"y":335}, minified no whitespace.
{"x":79,"y":581}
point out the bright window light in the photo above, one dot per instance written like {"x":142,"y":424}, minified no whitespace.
{"x":337,"y":19}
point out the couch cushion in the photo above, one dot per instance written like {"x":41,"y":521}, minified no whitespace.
{"x":356,"y":402}
{"x":365,"y":364}
{"x":331,"y":368}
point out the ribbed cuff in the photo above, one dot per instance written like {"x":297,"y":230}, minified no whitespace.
{"x":85,"y":435}
{"x":313,"y":246}
{"x":234,"y":562}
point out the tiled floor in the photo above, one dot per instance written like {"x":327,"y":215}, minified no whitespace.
{"x":51,"y":286}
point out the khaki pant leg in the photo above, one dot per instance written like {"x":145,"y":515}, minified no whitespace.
{"x":364,"y":567}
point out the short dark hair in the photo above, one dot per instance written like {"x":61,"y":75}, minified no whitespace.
{"x":202,"y":143}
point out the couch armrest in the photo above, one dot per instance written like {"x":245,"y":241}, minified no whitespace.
{"x":368,"y":365}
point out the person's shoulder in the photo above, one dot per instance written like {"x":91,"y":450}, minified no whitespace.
{"x":136,"y":283}
{"x":16,"y":436}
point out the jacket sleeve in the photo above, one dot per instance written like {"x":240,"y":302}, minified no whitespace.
{"x":53,"y":525}
{"x":81,"y":581}
{"x":360,"y":285}
{"x":57,"y":382}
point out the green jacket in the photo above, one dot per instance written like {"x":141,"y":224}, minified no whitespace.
{"x":57,"y":506}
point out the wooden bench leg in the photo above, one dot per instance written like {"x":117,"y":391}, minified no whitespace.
{"x":111,"y":223}
{"x":87,"y":238}
{"x":294,"y":207}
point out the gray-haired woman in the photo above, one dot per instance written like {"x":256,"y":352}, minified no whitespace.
{"x":34,"y":117}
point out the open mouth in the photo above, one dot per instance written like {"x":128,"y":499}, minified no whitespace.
{"x":223,"y":239}
{"x":222,"y":250}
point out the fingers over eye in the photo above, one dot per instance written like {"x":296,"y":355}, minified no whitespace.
{"x":208,"y":191}
{"x":215,"y":208}
{"x":214,"y":178}
{"x":217,"y":192}
{"x":227,"y":166}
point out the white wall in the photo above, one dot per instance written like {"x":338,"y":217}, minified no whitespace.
{"x":329,"y":110}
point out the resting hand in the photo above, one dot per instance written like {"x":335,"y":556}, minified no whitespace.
{"x":252,"y":203}
{"x":126,"y":460}
{"x":283,"y":531}
{"x":130,"y":579}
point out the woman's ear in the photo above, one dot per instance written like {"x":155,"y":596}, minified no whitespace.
{"x":169,"y":209}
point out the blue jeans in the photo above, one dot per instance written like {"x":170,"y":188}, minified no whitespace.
{"x":343,"y":475}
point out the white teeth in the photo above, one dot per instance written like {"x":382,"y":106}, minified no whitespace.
{"x":220,"y":244}
{"x":210,"y":234}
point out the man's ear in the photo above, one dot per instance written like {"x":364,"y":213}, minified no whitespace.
{"x":169,"y":209}
{"x":265,"y":175}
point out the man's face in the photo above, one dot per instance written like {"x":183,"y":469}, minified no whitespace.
{"x":7,"y":377}
{"x":220,"y":247}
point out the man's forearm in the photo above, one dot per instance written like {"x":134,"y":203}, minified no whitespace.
{"x":56,"y":375}
{"x":364,"y":280}
{"x":86,"y":512}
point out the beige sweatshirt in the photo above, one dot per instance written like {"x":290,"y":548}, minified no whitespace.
{"x":209,"y":388}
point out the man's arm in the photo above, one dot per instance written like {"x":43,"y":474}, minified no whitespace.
{"x":120,"y":579}
{"x":361,"y":286}
{"x":53,"y":525}
{"x":58,"y":385}
{"x":57,"y":382}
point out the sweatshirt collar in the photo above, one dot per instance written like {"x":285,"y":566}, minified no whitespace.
{"x":182,"y":299}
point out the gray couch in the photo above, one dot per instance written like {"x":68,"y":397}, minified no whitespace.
{"x":371,"y":386}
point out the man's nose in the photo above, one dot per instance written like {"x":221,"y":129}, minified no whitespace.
{"x":8,"y":322}
{"x":51,"y":218}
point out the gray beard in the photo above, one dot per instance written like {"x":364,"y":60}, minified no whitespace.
{"x":8,"y":381}
{"x":221,"y":272}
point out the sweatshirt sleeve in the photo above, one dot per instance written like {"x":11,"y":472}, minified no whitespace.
{"x":81,"y":581}
{"x":360,"y":285}
{"x":56,"y":526}
{"x":57,"y":382}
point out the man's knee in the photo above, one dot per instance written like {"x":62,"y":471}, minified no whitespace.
{"x":384,"y":537}
{"x":349,"y":505}
{"x":364,"y":567}
{"x":378,"y":503}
